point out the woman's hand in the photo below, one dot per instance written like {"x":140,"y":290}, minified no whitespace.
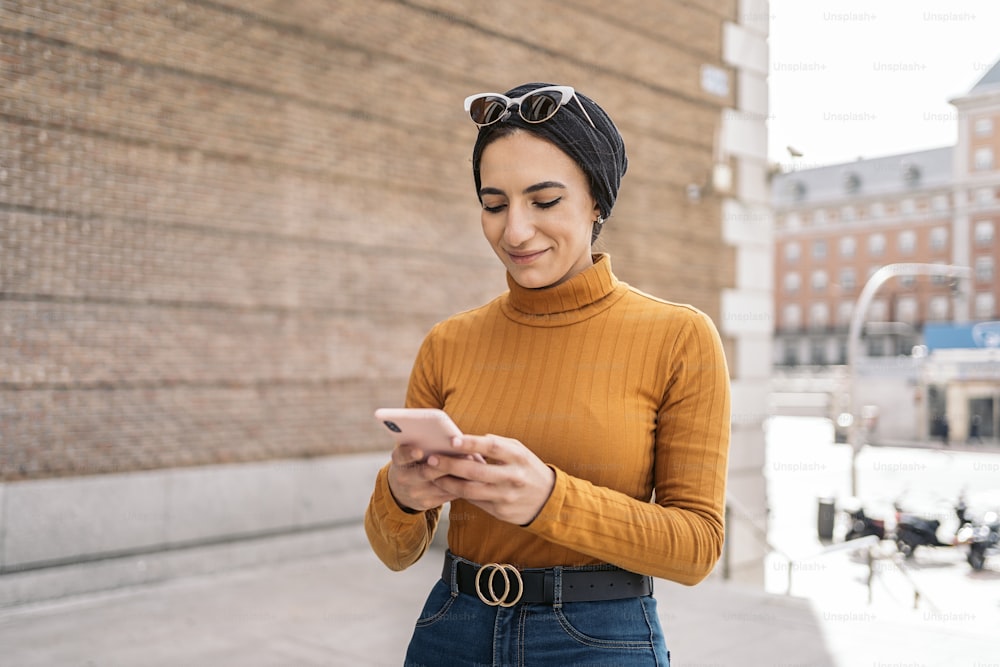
{"x":413,"y":482}
{"x":513,"y":486}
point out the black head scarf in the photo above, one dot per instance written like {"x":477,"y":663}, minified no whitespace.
{"x":599,"y":150}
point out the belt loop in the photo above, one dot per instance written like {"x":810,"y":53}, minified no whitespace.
{"x":557,"y":587}
{"x":453,"y":579}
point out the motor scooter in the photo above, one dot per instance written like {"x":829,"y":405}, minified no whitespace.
{"x":913,"y":530}
{"x":862,"y":525}
{"x":983,"y":539}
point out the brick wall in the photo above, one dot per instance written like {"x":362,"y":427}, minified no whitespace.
{"x":226,"y":226}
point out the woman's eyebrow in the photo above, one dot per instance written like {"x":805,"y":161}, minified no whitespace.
{"x":544,"y":185}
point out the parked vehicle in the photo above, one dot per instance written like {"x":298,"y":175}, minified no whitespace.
{"x":862,"y":525}
{"x":914,"y":530}
{"x":982,"y":537}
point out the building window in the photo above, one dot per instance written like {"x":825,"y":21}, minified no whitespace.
{"x":939,"y":238}
{"x":844,"y":311}
{"x":852,"y":182}
{"x":908,"y":281}
{"x":819,"y":281}
{"x":847,"y":247}
{"x":937,"y":309}
{"x":985,"y":196}
{"x":984,"y":305}
{"x":876,"y":245}
{"x":940,"y":203}
{"x":847,"y":281}
{"x":791,"y":316}
{"x":983,"y":159}
{"x":877,"y":210}
{"x":984,"y":127}
{"x":819,"y":249}
{"x":876,"y":346}
{"x":792,"y":282}
{"x":791,"y":353}
{"x":792,"y":252}
{"x":906,"y":309}
{"x":940,"y":279}
{"x":984,"y":269}
{"x":984,"y":233}
{"x":907,"y":242}
{"x":793,"y":221}
{"x":907,"y":206}
{"x":848,"y":213}
{"x":819,"y":217}
{"x":878,"y":310}
{"x":798,"y":190}
{"x":817,"y":352}
{"x":819,"y":316}
{"x":911,"y":174}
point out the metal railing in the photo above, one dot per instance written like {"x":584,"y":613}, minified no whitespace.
{"x":869,"y":543}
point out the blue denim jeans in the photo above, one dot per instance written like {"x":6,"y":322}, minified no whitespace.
{"x":459,"y":630}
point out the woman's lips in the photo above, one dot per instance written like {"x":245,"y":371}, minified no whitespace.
{"x":525,"y":257}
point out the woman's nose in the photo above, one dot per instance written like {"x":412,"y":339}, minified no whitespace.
{"x":519,"y":227}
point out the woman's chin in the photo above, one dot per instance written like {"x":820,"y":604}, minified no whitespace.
{"x":533,"y":278}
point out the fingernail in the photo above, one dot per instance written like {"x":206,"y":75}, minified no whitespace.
{"x":456,"y":441}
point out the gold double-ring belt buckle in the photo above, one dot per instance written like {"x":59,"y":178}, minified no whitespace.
{"x":505,"y":571}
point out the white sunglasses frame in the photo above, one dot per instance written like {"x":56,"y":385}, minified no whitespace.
{"x":567,"y":92}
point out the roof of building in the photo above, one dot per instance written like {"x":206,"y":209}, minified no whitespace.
{"x":990,"y":80}
{"x":864,"y":178}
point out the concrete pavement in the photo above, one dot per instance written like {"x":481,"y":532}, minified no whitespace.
{"x":347,"y":609}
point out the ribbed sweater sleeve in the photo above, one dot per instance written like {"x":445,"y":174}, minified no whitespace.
{"x":398,"y":538}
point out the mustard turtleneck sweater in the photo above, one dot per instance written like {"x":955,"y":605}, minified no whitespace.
{"x":624,"y":395}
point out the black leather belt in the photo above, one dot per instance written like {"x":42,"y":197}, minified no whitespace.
{"x":498,"y":584}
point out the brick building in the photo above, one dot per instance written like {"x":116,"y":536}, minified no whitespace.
{"x":836,"y":225}
{"x":225,"y":228}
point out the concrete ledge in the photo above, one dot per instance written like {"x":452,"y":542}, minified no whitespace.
{"x":68,"y":520}
{"x":72,"y":535}
{"x":56,"y":520}
{"x":51,"y":583}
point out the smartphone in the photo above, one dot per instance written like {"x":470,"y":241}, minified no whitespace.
{"x":429,"y":429}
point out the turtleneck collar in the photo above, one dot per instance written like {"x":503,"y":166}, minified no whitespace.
{"x":586,"y":294}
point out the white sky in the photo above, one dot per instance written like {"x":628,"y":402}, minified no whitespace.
{"x":853,"y":79}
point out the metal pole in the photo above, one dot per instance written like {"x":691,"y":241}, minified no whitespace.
{"x":871,"y":572}
{"x":854,"y":337}
{"x":727,"y":542}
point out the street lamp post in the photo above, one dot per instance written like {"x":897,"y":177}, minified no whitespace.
{"x":854,"y":337}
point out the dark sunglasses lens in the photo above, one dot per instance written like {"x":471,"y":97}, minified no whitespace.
{"x":486,"y":110}
{"x":540,"y":107}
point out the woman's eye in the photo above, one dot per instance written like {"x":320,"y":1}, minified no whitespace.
{"x":493,"y":209}
{"x":548,"y":204}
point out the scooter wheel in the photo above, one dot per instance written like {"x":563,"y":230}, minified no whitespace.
{"x":905,"y":548}
{"x":977,"y":559}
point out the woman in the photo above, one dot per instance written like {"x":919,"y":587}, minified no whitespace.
{"x":602,"y":412}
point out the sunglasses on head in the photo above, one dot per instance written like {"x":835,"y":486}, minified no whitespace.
{"x":535,"y":107}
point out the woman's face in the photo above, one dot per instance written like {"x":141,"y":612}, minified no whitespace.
{"x":538,"y":213}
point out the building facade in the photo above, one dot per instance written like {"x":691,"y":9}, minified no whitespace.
{"x":836,"y":225}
